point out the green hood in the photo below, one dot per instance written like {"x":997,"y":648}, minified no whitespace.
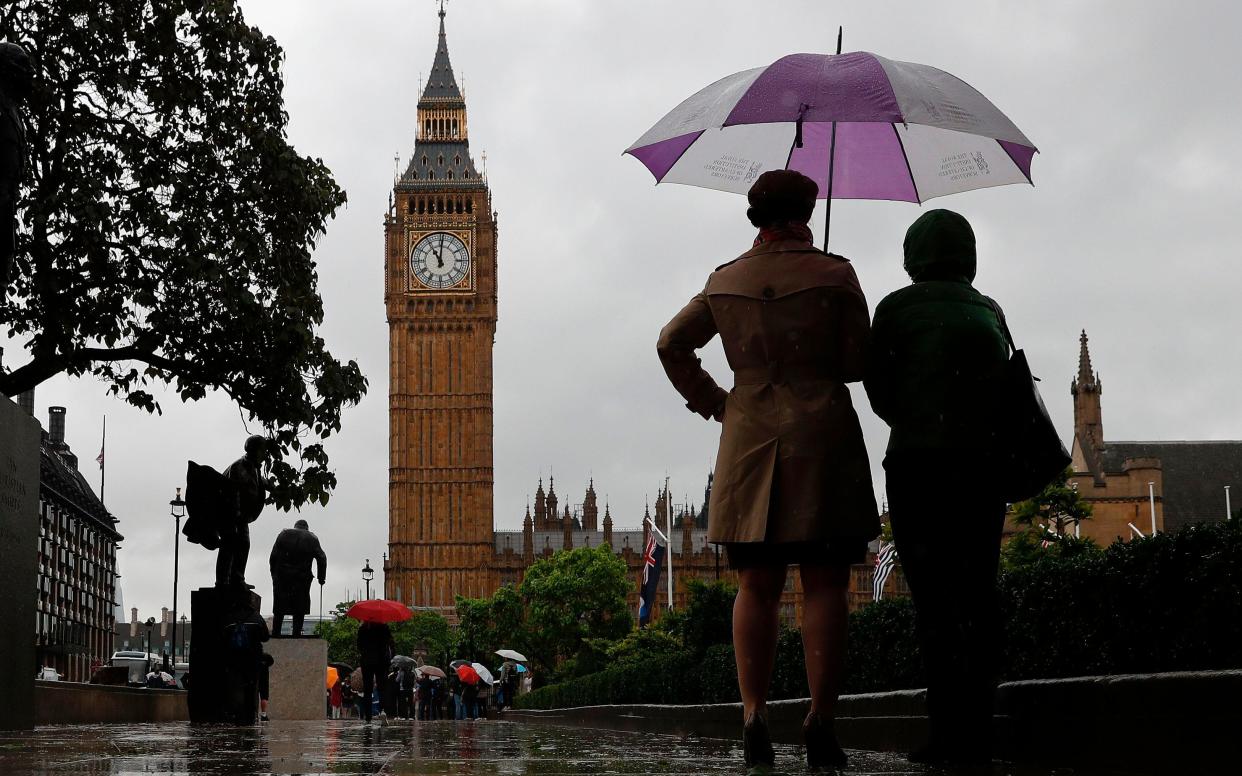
{"x":940,"y":245}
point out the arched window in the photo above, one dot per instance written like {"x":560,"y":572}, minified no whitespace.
{"x":409,"y":205}
{"x":440,"y":160}
{"x":431,"y":175}
{"x":470,"y":206}
{"x":450,"y":175}
{"x":457,"y":161}
{"x":454,"y":127}
{"x":427,"y":127}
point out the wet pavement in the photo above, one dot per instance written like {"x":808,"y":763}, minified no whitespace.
{"x":400,"y":748}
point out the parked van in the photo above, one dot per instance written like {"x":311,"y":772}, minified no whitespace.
{"x":138,"y":662}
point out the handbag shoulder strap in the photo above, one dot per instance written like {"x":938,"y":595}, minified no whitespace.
{"x":1000,"y":317}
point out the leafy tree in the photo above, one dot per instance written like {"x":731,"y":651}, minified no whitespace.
{"x":572,"y":597}
{"x":425,"y":631}
{"x":341,"y":633}
{"x":1057,"y":506}
{"x":708,"y":617}
{"x":167,"y":224}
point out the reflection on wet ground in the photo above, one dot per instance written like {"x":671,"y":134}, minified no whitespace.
{"x":401,"y":749}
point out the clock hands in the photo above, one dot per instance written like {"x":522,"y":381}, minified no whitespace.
{"x":439,"y":250}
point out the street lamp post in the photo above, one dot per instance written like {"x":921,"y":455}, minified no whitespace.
{"x":368,"y":574}
{"x":185,"y":655}
{"x":177,"y":507}
{"x":150,"y":624}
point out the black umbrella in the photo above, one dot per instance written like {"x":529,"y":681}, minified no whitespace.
{"x":401,"y":661}
{"x":344,"y":669}
{"x":456,"y":663}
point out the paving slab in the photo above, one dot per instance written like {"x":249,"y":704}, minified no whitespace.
{"x":400,"y":748}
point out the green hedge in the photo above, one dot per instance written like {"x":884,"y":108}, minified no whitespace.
{"x":1172,"y":602}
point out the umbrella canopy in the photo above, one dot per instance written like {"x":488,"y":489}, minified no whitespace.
{"x":511,"y":655}
{"x":521,"y":669}
{"x":483,"y":673}
{"x":379,"y":610}
{"x":402,"y":662}
{"x":885,"y":129}
{"x":458,"y":662}
{"x":343,"y":669}
{"x":467,"y":674}
{"x":432,"y":671}
{"x":333,"y":676}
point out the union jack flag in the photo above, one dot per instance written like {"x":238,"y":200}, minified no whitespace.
{"x":885,"y":560}
{"x":653,"y":554}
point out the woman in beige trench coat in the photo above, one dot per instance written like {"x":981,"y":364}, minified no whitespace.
{"x":792,"y":482}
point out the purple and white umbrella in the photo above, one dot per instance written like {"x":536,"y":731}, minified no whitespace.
{"x":900,"y":131}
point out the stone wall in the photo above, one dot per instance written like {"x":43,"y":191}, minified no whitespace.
{"x":297,"y":678}
{"x":19,"y":537}
{"x":72,"y":703}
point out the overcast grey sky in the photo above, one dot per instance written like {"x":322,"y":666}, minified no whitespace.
{"x":1129,"y":232}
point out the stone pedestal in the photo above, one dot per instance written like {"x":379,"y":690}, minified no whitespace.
{"x":297,"y":678}
{"x":19,"y":573}
{"x":223,"y":684}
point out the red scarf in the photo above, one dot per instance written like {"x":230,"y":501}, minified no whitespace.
{"x":800,"y":232}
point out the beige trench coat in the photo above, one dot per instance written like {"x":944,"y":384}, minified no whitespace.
{"x":792,"y":465}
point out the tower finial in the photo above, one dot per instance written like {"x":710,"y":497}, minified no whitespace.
{"x":1086,"y":375}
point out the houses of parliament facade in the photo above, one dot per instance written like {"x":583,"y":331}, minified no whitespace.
{"x":441,"y":299}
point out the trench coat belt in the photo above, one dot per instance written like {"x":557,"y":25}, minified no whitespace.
{"x":776,"y":372}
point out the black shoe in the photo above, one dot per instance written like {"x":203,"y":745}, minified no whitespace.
{"x":822,"y":749}
{"x":757,"y":745}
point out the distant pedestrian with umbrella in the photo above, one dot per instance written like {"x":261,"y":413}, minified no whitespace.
{"x":375,"y":644}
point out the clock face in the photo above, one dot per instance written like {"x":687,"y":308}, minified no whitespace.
{"x":440,"y":260}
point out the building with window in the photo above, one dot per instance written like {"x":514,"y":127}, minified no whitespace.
{"x":76,"y":595}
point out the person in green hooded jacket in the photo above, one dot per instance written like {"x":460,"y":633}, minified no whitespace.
{"x":935,"y":361}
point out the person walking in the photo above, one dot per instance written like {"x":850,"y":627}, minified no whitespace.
{"x":792,"y":484}
{"x":335,"y":699}
{"x":424,"y":697}
{"x":376,"y":648}
{"x":405,"y":685}
{"x":937,"y":357}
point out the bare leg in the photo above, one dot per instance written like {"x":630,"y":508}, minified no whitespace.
{"x":824,"y":618}
{"x":755,"y":623}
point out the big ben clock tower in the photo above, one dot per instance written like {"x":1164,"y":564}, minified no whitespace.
{"x":440,"y":297}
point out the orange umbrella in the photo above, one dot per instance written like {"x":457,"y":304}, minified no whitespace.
{"x":333,"y":676}
{"x":467,"y":674}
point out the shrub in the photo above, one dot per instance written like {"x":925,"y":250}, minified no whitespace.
{"x":1172,"y":602}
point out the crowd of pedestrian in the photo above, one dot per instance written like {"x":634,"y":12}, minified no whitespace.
{"x":390,"y":685}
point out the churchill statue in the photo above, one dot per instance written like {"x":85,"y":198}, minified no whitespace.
{"x":292,"y":554}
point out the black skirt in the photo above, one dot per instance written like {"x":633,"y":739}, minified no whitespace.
{"x":838,"y":552}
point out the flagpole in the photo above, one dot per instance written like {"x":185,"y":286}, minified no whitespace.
{"x":668,"y":516}
{"x":103,"y":459}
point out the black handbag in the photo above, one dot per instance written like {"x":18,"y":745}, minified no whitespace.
{"x":1029,"y":451}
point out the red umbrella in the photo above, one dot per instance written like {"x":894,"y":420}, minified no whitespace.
{"x":467,"y":674}
{"x":379,"y":610}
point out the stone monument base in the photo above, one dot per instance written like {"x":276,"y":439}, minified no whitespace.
{"x":221,"y":689}
{"x":19,"y":573}
{"x":296,"y":679}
